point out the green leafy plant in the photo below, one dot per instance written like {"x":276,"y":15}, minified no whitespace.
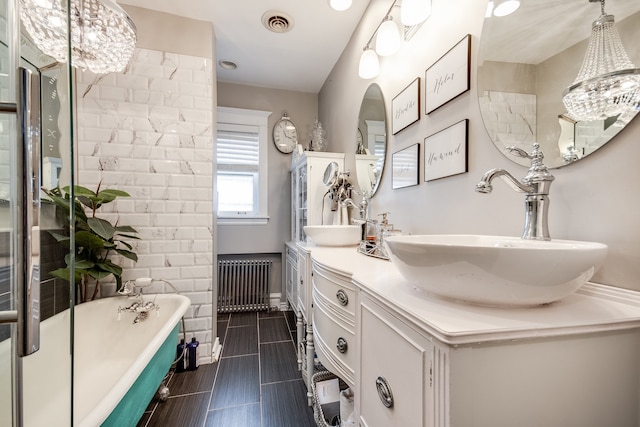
{"x":96,"y":239}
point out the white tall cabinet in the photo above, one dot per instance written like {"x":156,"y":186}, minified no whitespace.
{"x":309,"y":206}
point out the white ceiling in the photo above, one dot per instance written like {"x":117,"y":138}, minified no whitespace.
{"x":542,"y":28}
{"x":298,"y":60}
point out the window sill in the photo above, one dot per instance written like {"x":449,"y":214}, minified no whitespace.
{"x":243,"y":221}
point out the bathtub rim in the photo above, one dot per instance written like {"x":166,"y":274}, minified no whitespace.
{"x":99,"y":413}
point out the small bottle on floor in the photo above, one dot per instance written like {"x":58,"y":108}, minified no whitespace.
{"x":193,"y":353}
{"x":181,"y":365}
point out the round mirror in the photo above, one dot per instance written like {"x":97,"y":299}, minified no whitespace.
{"x":330,"y":174}
{"x":371,"y":141}
{"x":526,"y":62}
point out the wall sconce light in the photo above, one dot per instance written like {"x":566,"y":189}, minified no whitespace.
{"x":388,"y":37}
{"x":388,"y":40}
{"x":369,"y":64}
{"x":340,"y":5}
{"x":608,"y":84}
{"x":414,"y":12}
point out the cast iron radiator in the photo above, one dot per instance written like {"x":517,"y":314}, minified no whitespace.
{"x":243,"y":285}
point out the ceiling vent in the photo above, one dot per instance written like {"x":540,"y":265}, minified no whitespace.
{"x":277,"y":22}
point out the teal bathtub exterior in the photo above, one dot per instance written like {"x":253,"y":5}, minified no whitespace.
{"x":130,"y":409}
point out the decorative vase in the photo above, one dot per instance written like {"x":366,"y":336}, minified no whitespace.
{"x":318,"y":138}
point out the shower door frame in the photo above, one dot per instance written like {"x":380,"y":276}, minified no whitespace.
{"x":25,"y":188}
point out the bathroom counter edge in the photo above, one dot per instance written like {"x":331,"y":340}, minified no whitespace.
{"x":593,"y":308}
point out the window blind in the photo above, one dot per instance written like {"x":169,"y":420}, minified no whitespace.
{"x":238,"y":147}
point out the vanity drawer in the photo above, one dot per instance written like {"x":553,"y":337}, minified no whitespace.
{"x":338,"y":293}
{"x":335,"y":340}
{"x":395,"y":378}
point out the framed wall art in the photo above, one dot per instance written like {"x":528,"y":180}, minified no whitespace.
{"x":445,"y":152}
{"x":405,"y":107}
{"x":405,"y":167}
{"x":449,"y":77}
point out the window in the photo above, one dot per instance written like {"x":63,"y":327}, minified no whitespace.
{"x":241,"y":158}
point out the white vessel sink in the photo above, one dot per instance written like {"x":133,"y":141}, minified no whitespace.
{"x":333,"y":235}
{"x":494,"y":270}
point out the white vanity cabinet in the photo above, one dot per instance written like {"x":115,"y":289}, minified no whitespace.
{"x":334,"y":322}
{"x":415,"y":360}
{"x":396,"y":371}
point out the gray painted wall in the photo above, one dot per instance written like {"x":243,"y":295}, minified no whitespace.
{"x":302,"y":107}
{"x":592,"y":200}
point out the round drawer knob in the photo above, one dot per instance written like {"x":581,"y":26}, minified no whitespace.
{"x":342,"y":297}
{"x":384,"y":392}
{"x":342,"y":345}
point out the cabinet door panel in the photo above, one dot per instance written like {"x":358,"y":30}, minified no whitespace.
{"x":303,"y":284}
{"x":291,"y":276}
{"x":395,"y":363}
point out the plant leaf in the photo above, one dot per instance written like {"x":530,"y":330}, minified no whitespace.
{"x":84,"y":264}
{"x":108,"y":196}
{"x":112,"y":268}
{"x":59,"y":201}
{"x":125,"y":229}
{"x":62,"y":273}
{"x":79,"y":190}
{"x":89,"y":241}
{"x":98,"y":274}
{"x":65,"y":274}
{"x":60,"y":238}
{"x":101,"y":227}
{"x":125,"y":244}
{"x":128,"y":236}
{"x":128,"y":254}
{"x":90,"y":202}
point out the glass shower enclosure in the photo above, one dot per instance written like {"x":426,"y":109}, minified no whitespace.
{"x":36,"y":309}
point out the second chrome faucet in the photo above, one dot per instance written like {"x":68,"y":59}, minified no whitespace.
{"x":535,"y":184}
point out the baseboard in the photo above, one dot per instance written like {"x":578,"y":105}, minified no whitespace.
{"x":217,"y":349}
{"x":274,"y":300}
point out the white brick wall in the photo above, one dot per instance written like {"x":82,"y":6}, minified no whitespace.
{"x":510,"y":117}
{"x":148,"y":131}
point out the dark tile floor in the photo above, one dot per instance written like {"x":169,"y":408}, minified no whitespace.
{"x":256,"y":382}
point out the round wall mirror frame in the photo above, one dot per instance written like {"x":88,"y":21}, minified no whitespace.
{"x":371,"y":141}
{"x":525,"y":62}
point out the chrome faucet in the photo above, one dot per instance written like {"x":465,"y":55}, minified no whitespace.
{"x":536,"y":186}
{"x":139,"y":307}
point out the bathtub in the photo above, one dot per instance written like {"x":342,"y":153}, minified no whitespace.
{"x":118,"y":365}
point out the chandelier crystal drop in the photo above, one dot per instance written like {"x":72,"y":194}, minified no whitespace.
{"x":103,"y":36}
{"x":608,"y":83}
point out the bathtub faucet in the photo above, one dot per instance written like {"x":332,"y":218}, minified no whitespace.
{"x":130,"y":286}
{"x":140,"y":308}
{"x":130,"y":289}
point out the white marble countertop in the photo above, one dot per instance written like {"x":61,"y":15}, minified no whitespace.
{"x":594,"y":308}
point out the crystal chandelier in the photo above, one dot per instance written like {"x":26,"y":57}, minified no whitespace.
{"x":103,"y":36}
{"x":608,"y":83}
